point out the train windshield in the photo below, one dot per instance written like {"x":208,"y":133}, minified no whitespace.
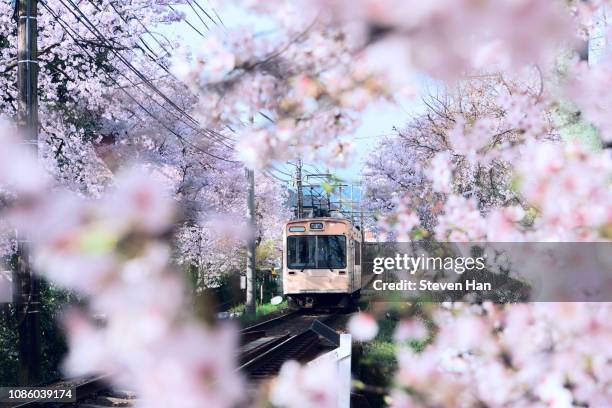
{"x":316,"y":252}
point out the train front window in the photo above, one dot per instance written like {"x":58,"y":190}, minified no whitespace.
{"x":331,"y":251}
{"x":301,"y":252}
{"x":316,"y":252}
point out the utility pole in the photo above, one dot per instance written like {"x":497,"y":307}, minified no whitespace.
{"x":361,"y":213}
{"x":250,"y":306}
{"x":351,"y":203}
{"x":27,"y":284}
{"x":300,"y":193}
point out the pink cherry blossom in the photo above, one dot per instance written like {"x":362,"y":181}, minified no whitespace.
{"x":363,"y":327}
{"x":441,"y":172}
{"x":586,"y":89}
{"x":18,"y":169}
{"x":309,"y":386}
{"x":489,"y":159}
{"x":502,"y":224}
{"x":461,"y":221}
{"x":446,"y":38}
{"x":410,"y":329}
{"x":142,"y":201}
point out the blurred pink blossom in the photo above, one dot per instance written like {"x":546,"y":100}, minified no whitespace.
{"x":461,"y":221}
{"x":313,"y":385}
{"x":412,"y":329}
{"x":140,"y":202}
{"x":587,"y":88}
{"x":468,"y":142}
{"x":362,"y":326}
{"x":446,"y":38}
{"x":19,"y":170}
{"x":440,"y":172}
{"x":502,"y":224}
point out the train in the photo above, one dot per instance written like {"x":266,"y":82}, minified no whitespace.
{"x":321,"y":263}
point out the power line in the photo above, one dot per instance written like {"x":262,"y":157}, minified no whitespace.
{"x":206,"y":13}
{"x":189,"y":24}
{"x":270,"y":174}
{"x":68,"y":30}
{"x":198,"y":15}
{"x":92,"y":28}
{"x":141,"y":39}
{"x":281,"y":171}
{"x":216,"y":14}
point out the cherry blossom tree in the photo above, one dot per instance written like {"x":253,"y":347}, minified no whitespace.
{"x":107,"y":98}
{"x":488,"y":161}
{"x":462,"y":143}
{"x":478,"y":356}
{"x":511,"y":135}
{"x":81,"y":53}
{"x":212,"y":235}
{"x":294,"y":93}
{"x":121,"y":241}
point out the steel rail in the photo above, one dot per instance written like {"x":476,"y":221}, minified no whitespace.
{"x":271,"y":322}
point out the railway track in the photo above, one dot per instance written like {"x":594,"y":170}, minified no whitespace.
{"x":265,"y":346}
{"x":262,"y":329}
{"x":268,"y":363}
{"x":301,"y":344}
{"x":275,"y":321}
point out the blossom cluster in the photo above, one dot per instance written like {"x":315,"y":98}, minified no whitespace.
{"x":297,"y":94}
{"x":545,"y":354}
{"x":447,"y":38}
{"x":479,"y":165}
{"x":115,"y":253}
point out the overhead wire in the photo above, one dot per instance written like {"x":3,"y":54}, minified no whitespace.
{"x":216,"y":14}
{"x":70,"y":31}
{"x":197,"y":14}
{"x":270,"y":174}
{"x":141,"y":39}
{"x":206,"y":13}
{"x":189,"y":24}
{"x":94,"y":30}
{"x":98,"y":35}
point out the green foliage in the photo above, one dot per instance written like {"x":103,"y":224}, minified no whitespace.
{"x":261,"y":311}
{"x":572,"y":126}
{"x":268,"y":308}
{"x":53,"y":344}
{"x":8,"y":346}
{"x":379,"y":355}
{"x":266,"y":253}
{"x":331,"y":184}
{"x":381,"y":350}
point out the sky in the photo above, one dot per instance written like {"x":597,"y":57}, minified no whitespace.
{"x":377,"y":120}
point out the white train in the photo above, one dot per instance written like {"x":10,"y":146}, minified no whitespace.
{"x":321,"y":262}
